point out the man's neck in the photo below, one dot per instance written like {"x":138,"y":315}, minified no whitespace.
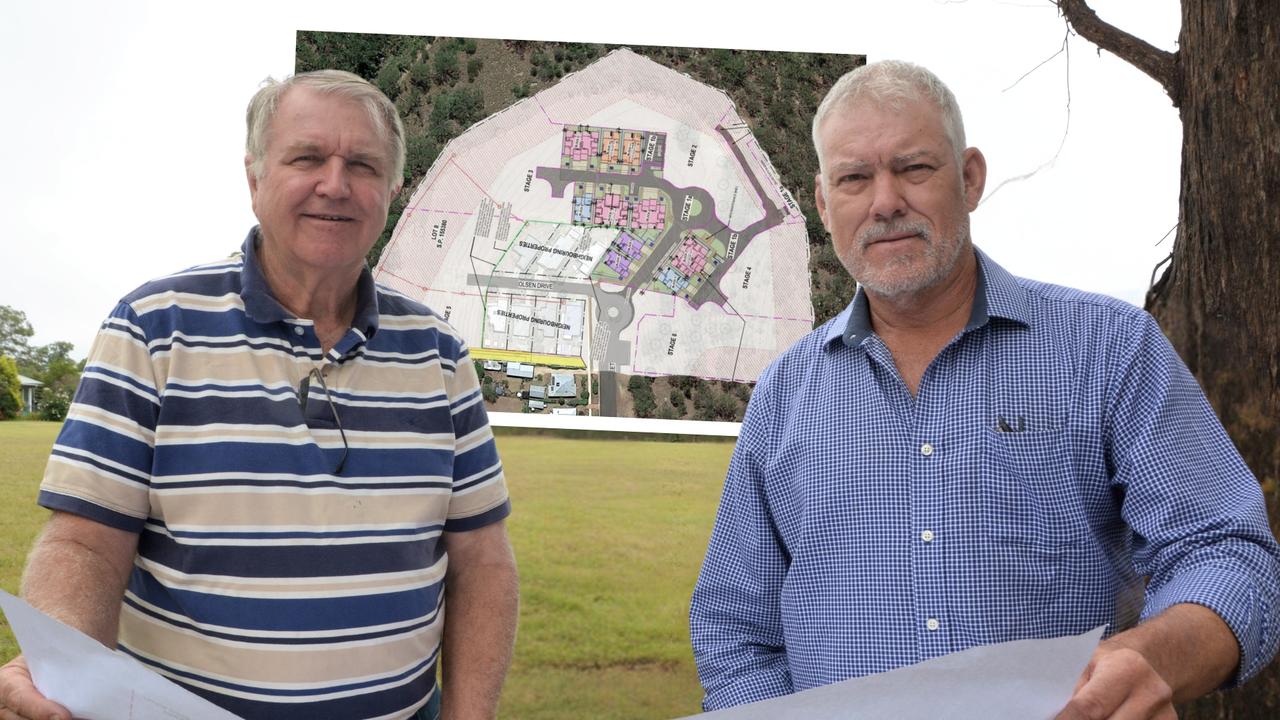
{"x":916,"y":327}
{"x":329,"y":300}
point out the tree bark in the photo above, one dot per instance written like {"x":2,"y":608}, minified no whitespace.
{"x":1219,"y":299}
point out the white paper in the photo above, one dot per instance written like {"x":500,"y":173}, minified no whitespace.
{"x":95,"y":683}
{"x":1019,"y":680}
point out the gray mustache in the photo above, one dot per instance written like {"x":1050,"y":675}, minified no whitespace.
{"x":883,"y":230}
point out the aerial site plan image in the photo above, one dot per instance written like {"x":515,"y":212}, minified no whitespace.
{"x":607,"y":232}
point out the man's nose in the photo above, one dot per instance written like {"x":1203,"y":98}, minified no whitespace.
{"x":887,"y":201}
{"x":333,"y":180}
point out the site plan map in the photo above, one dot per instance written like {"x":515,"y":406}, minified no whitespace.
{"x":621,"y":221}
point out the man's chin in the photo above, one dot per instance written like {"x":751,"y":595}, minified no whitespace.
{"x":892,"y":291}
{"x":336,"y":252}
{"x":897,"y":282}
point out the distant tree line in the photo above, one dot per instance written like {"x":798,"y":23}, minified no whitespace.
{"x":49,"y":364}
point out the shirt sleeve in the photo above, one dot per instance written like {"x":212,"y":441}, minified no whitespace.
{"x":1198,"y":515}
{"x":735,"y":617}
{"x":479,"y":495}
{"x":100,"y":465}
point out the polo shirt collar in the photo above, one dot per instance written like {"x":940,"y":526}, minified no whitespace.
{"x":261,"y":306}
{"x":997,"y":294}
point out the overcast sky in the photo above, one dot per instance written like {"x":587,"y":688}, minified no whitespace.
{"x":123,"y":124}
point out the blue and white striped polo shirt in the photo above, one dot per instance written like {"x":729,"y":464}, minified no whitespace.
{"x":264,"y":581}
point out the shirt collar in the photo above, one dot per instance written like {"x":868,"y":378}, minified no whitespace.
{"x":1004,"y":295}
{"x":261,"y":306}
{"x":997,"y":294}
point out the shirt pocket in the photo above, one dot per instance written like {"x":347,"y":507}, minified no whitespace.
{"x":1030,"y":490}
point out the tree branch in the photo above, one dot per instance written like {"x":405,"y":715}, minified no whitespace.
{"x":1159,"y":64}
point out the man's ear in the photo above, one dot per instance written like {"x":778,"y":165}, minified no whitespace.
{"x":820,"y":200}
{"x":250,"y":175}
{"x":974,"y":172}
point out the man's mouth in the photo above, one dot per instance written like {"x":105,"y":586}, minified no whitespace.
{"x":890,"y":239}
{"x":894,"y":236}
{"x":328,"y":218}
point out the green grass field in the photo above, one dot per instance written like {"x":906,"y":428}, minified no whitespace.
{"x":24,"y":447}
{"x":608,"y":532}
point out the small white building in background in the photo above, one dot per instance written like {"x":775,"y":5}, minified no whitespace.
{"x":29,"y":388}
{"x":564,"y":411}
{"x":520,"y":370}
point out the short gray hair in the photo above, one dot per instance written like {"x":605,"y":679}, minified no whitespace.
{"x":892,"y":83}
{"x":264,"y":104}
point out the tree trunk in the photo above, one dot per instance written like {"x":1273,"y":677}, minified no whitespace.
{"x":1219,"y":299}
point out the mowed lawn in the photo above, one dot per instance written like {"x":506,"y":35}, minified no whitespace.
{"x":24,"y":448}
{"x":608,"y":532}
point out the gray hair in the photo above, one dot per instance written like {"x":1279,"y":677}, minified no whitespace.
{"x":892,"y":83}
{"x":262,"y":110}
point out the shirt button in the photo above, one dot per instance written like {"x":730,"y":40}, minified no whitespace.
{"x":931,"y":623}
{"x":297,"y":330}
{"x":926,"y":449}
{"x":927,"y":536}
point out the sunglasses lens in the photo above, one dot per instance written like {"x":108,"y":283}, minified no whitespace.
{"x":304,"y":390}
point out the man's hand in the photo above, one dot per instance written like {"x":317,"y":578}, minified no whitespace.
{"x":19,"y":699}
{"x":76,"y":573}
{"x":1179,"y":655}
{"x":1120,"y":684}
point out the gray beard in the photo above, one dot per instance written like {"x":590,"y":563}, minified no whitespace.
{"x":940,"y":258}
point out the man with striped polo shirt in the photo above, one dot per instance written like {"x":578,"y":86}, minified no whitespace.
{"x":277,"y":475}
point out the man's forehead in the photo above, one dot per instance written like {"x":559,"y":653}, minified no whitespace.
{"x":884,"y":132}
{"x":900,"y":112}
{"x":311,"y":120}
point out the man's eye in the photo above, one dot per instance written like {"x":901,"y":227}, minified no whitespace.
{"x":918,"y":167}
{"x":851,"y":178}
{"x":363,"y":168}
{"x":306,"y":160}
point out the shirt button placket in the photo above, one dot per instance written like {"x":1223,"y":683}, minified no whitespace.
{"x":931,"y":565}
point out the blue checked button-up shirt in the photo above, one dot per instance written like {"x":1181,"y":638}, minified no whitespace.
{"x":1056,"y":455}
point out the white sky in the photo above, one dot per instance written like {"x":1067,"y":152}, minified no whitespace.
{"x":123,"y":123}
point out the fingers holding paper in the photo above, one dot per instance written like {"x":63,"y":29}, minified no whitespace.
{"x":1120,"y":684}
{"x":1182,"y":653}
{"x":19,"y":699}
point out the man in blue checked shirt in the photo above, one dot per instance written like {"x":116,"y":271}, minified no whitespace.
{"x":964,"y":457}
